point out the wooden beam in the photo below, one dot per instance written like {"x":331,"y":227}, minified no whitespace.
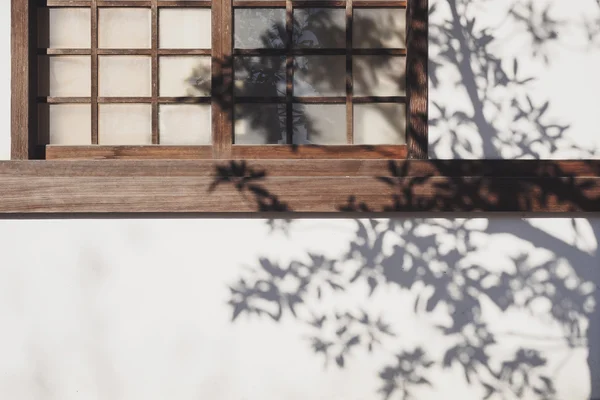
{"x":300,"y":186}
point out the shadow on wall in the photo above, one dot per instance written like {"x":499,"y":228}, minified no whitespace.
{"x":547,"y":280}
{"x":444,"y":265}
{"x":495,"y":110}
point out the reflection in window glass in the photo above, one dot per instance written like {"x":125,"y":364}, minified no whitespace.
{"x":319,"y":28}
{"x":379,"y":75}
{"x":260,"y":76}
{"x":379,"y":28}
{"x":256,"y":28}
{"x":260,"y":124}
{"x":320,"y":76}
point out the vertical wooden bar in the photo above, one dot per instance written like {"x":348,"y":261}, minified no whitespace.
{"x":94,"y":51}
{"x":23,"y":79}
{"x":289,"y":73}
{"x":416,"y":79}
{"x":222,"y":79}
{"x":155,"y":66}
{"x":349,"y":77}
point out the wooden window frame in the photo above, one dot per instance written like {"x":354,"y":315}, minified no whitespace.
{"x":299,"y":179}
{"x":24,"y":131}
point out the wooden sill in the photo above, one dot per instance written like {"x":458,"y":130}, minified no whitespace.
{"x":199,"y":186}
{"x":238,"y":152}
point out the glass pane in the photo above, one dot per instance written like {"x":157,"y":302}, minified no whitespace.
{"x":64,"y":28}
{"x":379,"y":75}
{"x":260,"y":76}
{"x":380,"y":123}
{"x":124,"y":28}
{"x":319,"y":27}
{"x":188,"y":28}
{"x":378,"y":27}
{"x":320,"y":124}
{"x":125,"y":76}
{"x":260,"y":124}
{"x":65,"y":124}
{"x":256,"y":28}
{"x":184,"y":76}
{"x":64,"y":76}
{"x":185,"y":124}
{"x":320,"y":76}
{"x":125,"y":124}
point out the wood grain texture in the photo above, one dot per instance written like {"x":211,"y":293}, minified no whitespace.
{"x":301,"y":186}
{"x":23,"y":79}
{"x":416,"y":79}
{"x":236,"y":152}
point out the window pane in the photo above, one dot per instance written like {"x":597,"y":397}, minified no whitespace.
{"x":124,"y":28}
{"x":125,"y":124}
{"x":320,"y":76}
{"x":260,"y":124}
{"x":260,"y":76}
{"x":125,"y":76}
{"x":379,"y":75}
{"x":188,"y":28}
{"x":185,"y":76}
{"x":319,"y":124}
{"x":378,"y":27}
{"x":319,"y":28}
{"x":64,"y":28}
{"x":185,"y":124}
{"x":65,"y":124}
{"x":256,"y":28}
{"x":380,"y":123}
{"x":64,"y":76}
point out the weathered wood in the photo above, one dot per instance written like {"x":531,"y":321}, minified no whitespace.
{"x":237,"y":152}
{"x":416,"y":79}
{"x":301,"y":186}
{"x":23,"y":79}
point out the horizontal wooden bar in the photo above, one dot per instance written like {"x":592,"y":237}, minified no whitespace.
{"x":319,"y":52}
{"x":112,"y":186}
{"x":125,"y":52}
{"x":299,"y":100}
{"x":64,"y":100}
{"x":311,"y":167}
{"x":379,"y":99}
{"x":128,"y":152}
{"x":247,"y":152}
{"x":124,"y":100}
{"x":125,"y":3}
{"x":54,"y":152}
{"x":318,"y":3}
{"x":236,"y":3}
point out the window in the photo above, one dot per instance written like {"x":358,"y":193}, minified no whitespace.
{"x":223,"y":79}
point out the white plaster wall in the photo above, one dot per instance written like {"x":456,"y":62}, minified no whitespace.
{"x":139,"y":308}
{"x":481,"y":109}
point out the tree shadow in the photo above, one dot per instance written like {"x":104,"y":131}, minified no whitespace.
{"x":412,"y":255}
{"x":260,"y":66}
{"x":500,"y":116}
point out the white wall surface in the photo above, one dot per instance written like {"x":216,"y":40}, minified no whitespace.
{"x":143,"y":308}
